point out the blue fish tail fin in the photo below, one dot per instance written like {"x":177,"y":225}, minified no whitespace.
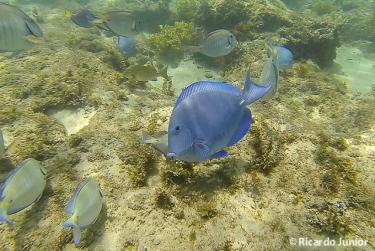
{"x":4,"y":218}
{"x":252,"y":91}
{"x":70,"y":223}
{"x":76,"y":235}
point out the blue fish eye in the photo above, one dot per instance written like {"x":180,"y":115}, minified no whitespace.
{"x":177,"y":129}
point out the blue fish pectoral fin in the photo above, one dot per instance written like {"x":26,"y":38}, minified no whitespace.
{"x":201,"y":150}
{"x":243,"y":128}
{"x":252,"y":91}
{"x":220,"y":155}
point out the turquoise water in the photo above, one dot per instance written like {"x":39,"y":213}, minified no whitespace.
{"x":295,"y":173}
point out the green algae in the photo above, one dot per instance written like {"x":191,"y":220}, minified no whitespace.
{"x":138,"y":160}
{"x":206,"y":210}
{"x":161,"y":199}
{"x":168,"y":43}
{"x":332,"y":219}
{"x":267,"y":146}
{"x":323,"y":8}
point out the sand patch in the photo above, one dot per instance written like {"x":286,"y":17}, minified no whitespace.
{"x":72,"y":119}
{"x":355,"y":68}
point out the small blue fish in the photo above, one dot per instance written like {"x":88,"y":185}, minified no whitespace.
{"x":126,"y":46}
{"x":282,"y":56}
{"x":210,"y":116}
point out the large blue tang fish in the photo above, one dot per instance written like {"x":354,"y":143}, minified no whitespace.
{"x":210,"y":116}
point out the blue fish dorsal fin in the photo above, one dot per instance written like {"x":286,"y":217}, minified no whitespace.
{"x":203,"y":86}
{"x":253,"y":92}
{"x":69,"y":209}
{"x":243,"y":128}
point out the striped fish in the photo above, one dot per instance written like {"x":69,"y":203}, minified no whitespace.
{"x":17,"y":30}
{"x":217,"y":44}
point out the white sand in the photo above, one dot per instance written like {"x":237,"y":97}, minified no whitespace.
{"x":358,"y":70}
{"x":185,"y":74}
{"x":72,"y":119}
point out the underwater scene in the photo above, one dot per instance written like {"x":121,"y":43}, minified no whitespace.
{"x":144,"y":125}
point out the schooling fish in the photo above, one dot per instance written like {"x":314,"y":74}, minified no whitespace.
{"x":83,"y":18}
{"x":84,"y":207}
{"x":126,"y":46}
{"x":282,"y":56}
{"x":17,"y":30}
{"x":121,"y":23}
{"x":22,"y":187}
{"x":218,"y":43}
{"x":210,"y":116}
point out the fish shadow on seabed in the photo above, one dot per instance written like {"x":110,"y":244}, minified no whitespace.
{"x":209,"y":182}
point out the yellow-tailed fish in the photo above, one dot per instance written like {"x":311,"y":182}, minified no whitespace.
{"x":84,"y":207}
{"x":21,"y":188}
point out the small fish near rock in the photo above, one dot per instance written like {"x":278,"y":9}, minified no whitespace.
{"x":126,"y":46}
{"x":83,"y":18}
{"x":84,"y":207}
{"x":217,"y":44}
{"x":283,"y":57}
{"x":121,"y":23}
{"x":21,"y":188}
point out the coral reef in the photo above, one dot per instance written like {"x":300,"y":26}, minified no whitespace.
{"x":168,"y":43}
